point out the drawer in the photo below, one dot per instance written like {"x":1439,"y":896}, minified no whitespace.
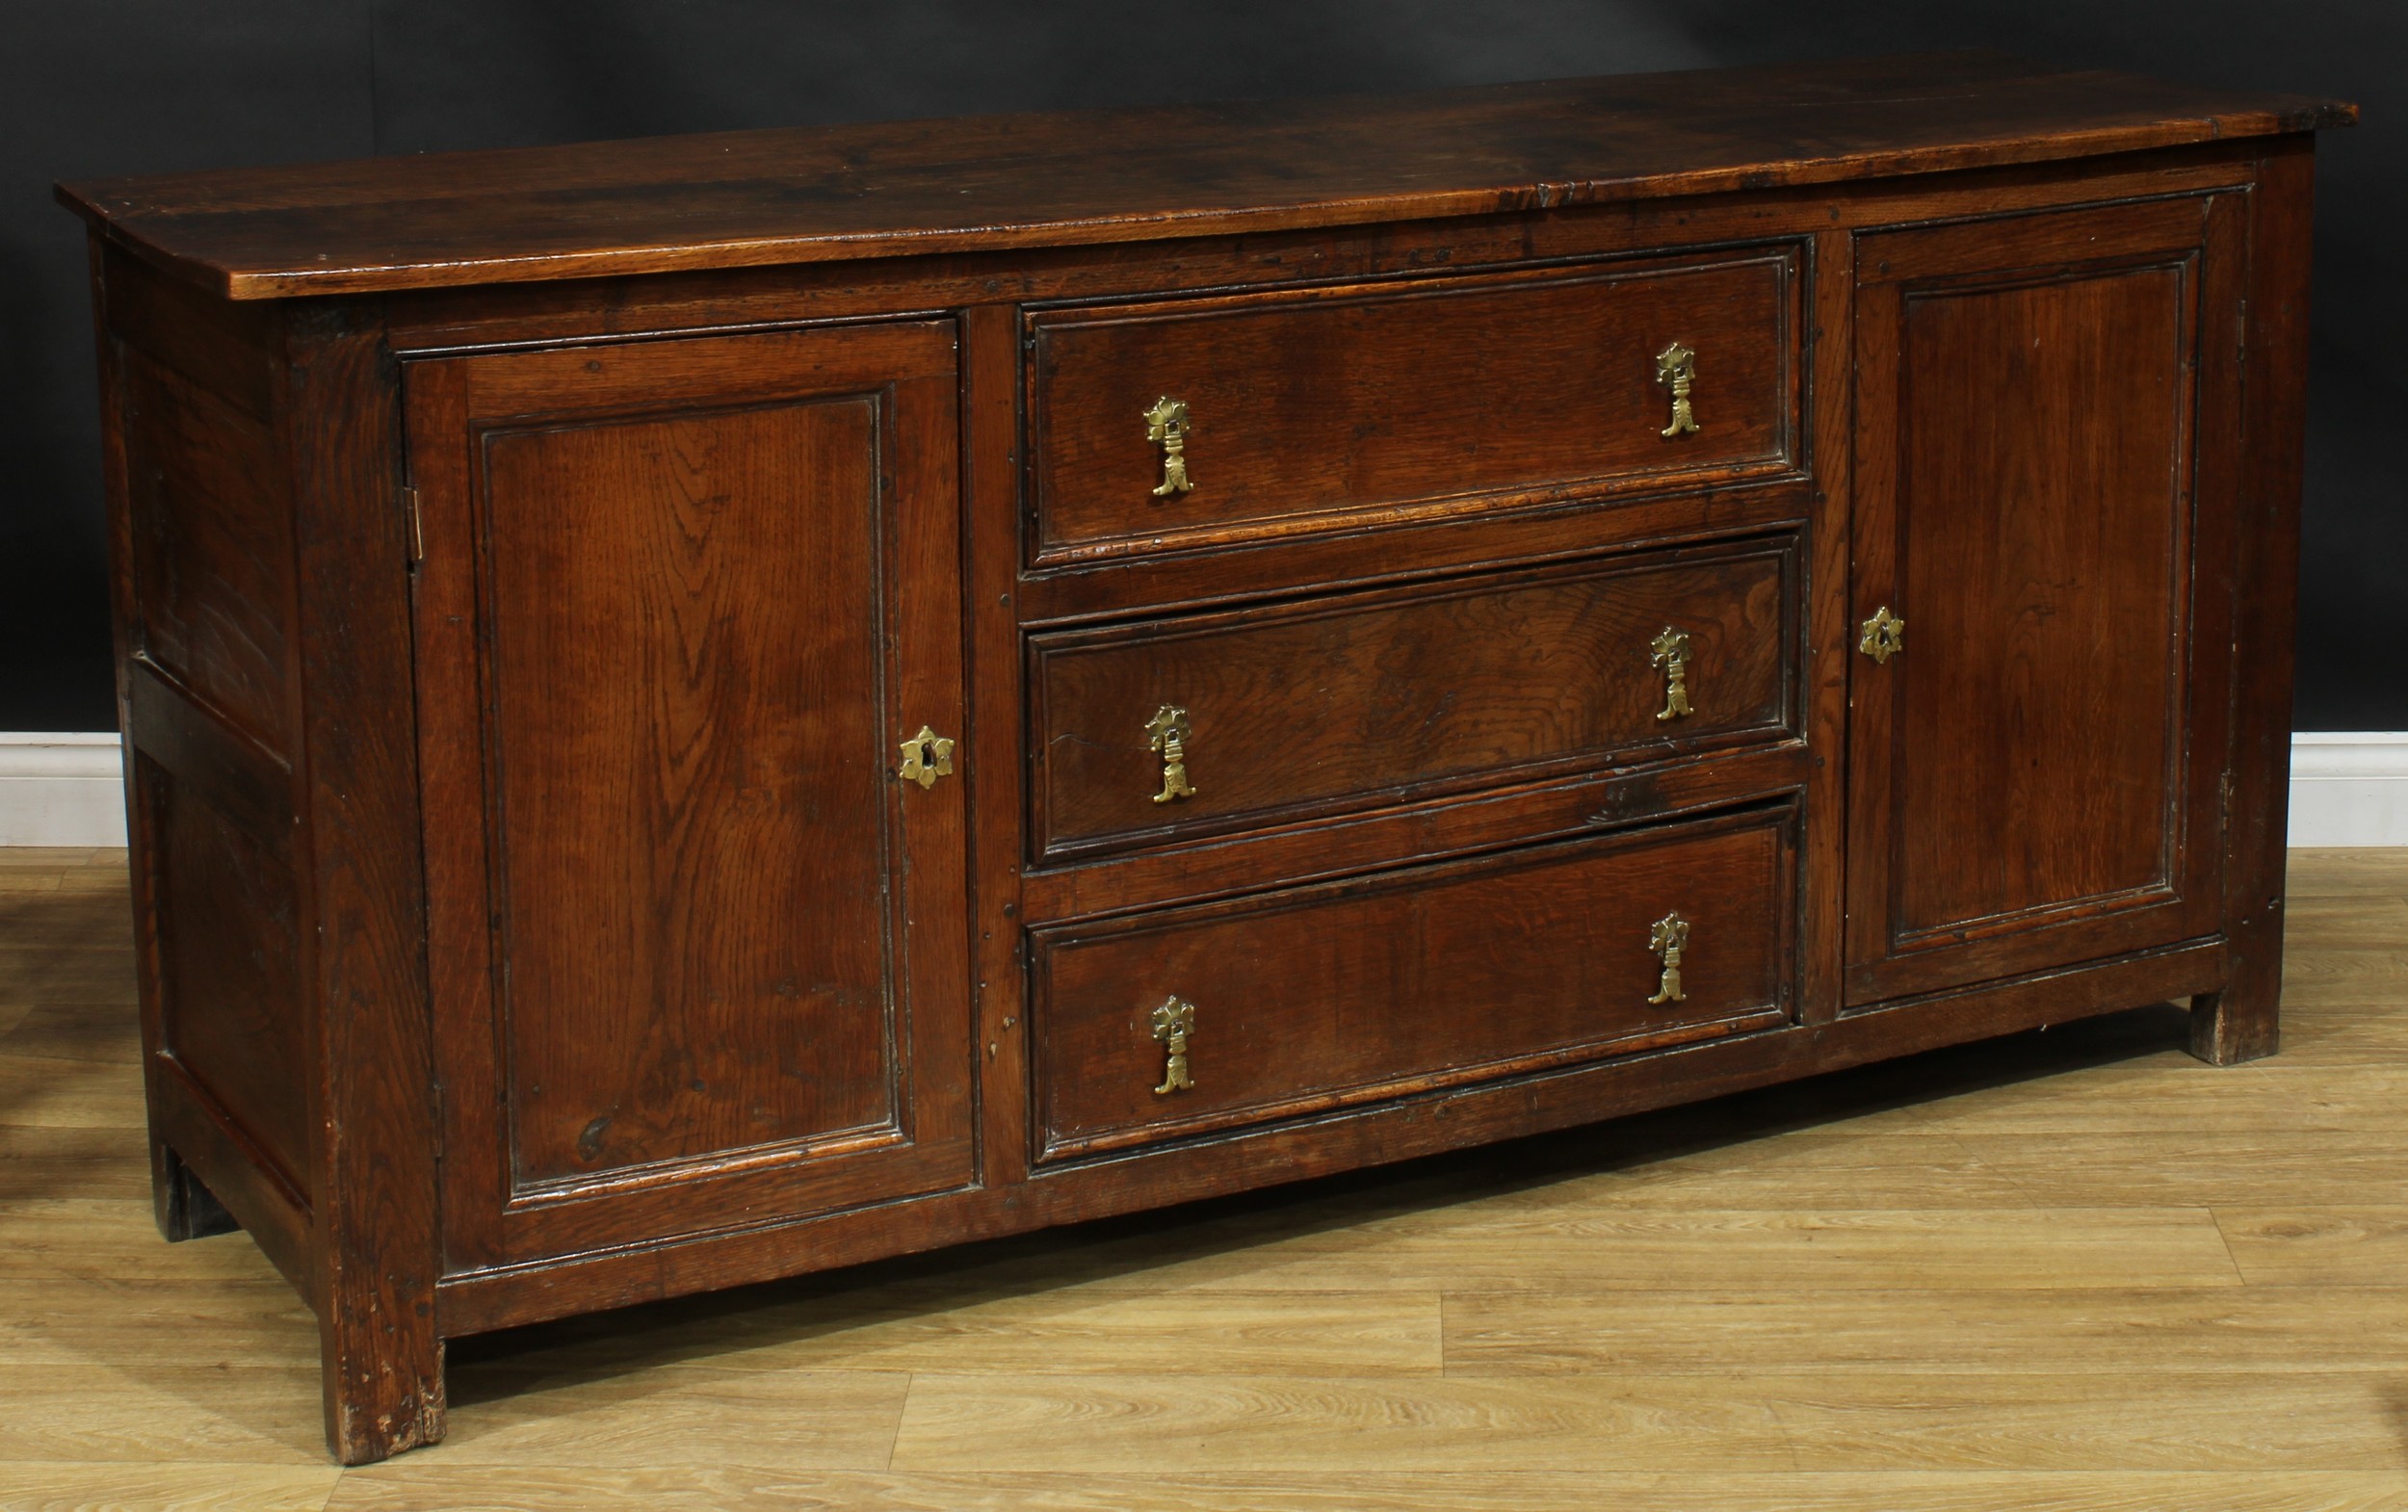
{"x":1329,"y":996}
{"x":1337,"y":408}
{"x":1330,"y":704}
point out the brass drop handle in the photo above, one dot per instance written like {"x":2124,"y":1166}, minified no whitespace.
{"x":1676,"y":369}
{"x":1168,"y":733}
{"x":1671,"y":657}
{"x":1173,"y":1022}
{"x":1167,"y":427}
{"x":1884,"y":637}
{"x":1666,"y":938}
{"x":925,"y":757}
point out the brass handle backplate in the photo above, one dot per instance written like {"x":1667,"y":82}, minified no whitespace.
{"x":925,"y":757}
{"x":1667,"y":937}
{"x":1173,"y":1022}
{"x":1884,"y":637}
{"x":1168,"y":733}
{"x":1167,"y":427}
{"x":1671,"y":657}
{"x":1676,"y":369}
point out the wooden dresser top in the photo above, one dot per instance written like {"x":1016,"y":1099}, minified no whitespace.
{"x":821,"y":194}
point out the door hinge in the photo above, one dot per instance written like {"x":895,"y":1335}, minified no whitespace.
{"x":417,"y":529}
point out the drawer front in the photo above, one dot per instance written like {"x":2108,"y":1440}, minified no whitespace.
{"x":1342,"y":406}
{"x":1293,"y":712}
{"x":1327,"y":996}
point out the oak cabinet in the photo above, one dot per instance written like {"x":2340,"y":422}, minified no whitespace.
{"x":705,"y":709}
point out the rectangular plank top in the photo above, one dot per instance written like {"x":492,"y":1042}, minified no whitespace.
{"x":752,"y":198}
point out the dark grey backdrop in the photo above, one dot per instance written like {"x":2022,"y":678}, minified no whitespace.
{"x":98,"y":87}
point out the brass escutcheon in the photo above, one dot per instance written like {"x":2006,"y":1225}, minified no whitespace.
{"x":1167,"y":427}
{"x":1667,"y":937}
{"x":1885,"y":636}
{"x":925,"y":757}
{"x":1168,"y":733}
{"x":1676,"y":368}
{"x":1173,"y":1022}
{"x":1671,"y":657}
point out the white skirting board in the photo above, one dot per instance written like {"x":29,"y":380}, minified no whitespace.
{"x":60,"y":790}
{"x":2347,"y":787}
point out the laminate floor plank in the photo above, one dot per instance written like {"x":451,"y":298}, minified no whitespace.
{"x":672,"y":1415}
{"x":165,"y":1485}
{"x":2204,"y":1168}
{"x":2336,"y":1246}
{"x":1631,"y":1420}
{"x":105,"y":1164}
{"x":69,"y":1094}
{"x":1632,"y":1247}
{"x":66,"y":1031}
{"x":2065,"y":1333}
{"x":2171,"y":1096}
{"x":221,"y":1412}
{"x":402,"y":1487}
{"x":2073,"y":1270}
{"x":1054,"y":1331}
{"x":114,"y":1238}
{"x":1129,"y":1423}
{"x":239,"y":1318}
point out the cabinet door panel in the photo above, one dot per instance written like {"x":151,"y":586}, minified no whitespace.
{"x":2032,"y":776}
{"x":679,"y":606}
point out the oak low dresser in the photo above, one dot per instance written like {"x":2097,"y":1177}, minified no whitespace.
{"x":711,"y":708}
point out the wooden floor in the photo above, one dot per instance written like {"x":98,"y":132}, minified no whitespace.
{"x":2071,"y":1270}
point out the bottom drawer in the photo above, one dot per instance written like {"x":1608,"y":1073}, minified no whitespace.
{"x":1175,"y":1023}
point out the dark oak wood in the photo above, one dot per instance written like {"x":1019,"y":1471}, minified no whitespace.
{"x":357,"y":809}
{"x":1350,"y":992}
{"x":2030,"y":452}
{"x":2237,"y":1020}
{"x":1342,"y":405}
{"x":1343,"y":702}
{"x":517,"y":646}
{"x":747,"y":198}
{"x":710,"y":964}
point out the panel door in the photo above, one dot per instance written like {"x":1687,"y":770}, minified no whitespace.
{"x":2046,"y":413}
{"x":698,"y":955}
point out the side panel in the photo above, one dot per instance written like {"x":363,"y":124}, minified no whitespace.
{"x":202,"y":540}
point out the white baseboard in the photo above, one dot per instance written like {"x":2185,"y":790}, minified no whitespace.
{"x":2347,"y":787}
{"x":60,"y":790}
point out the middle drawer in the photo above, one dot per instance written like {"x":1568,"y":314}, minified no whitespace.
{"x":1203,"y":725}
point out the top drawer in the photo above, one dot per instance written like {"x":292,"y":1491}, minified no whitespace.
{"x":1336,"y":408}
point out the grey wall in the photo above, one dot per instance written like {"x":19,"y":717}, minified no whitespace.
{"x":103,"y":87}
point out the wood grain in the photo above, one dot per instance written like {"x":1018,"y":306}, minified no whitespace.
{"x":2039,"y":541}
{"x":672,"y":651}
{"x":1337,"y":995}
{"x":1350,"y":702}
{"x":1327,"y":407}
{"x":754,"y":198}
{"x":1679,"y":1311}
{"x":405,"y":1487}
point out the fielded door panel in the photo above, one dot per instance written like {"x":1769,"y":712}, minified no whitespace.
{"x":699,"y":954}
{"x":2046,"y":432}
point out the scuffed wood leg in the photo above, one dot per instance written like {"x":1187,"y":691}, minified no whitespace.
{"x":384,"y":1386}
{"x":183,"y":1208}
{"x":2242,"y":1023}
